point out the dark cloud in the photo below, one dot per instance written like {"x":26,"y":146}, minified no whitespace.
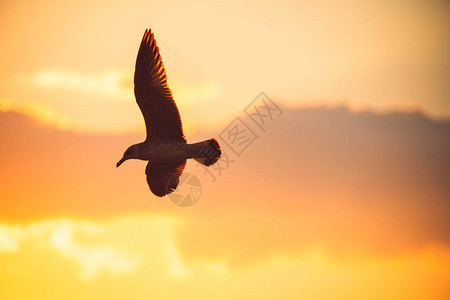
{"x":331,"y":176}
{"x":378,"y":181}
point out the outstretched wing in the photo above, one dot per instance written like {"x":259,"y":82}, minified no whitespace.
{"x":162,"y":119}
{"x":163,"y":178}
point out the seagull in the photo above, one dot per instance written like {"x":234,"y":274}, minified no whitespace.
{"x":165,"y":147}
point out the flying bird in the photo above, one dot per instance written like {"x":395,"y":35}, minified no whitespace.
{"x":165,"y":147}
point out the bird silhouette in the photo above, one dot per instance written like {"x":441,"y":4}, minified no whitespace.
{"x":165,"y":147}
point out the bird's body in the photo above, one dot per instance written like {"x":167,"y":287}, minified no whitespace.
{"x":167,"y":151}
{"x":161,"y":151}
{"x":165,"y":147}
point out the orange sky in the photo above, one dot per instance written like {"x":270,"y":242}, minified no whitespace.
{"x":380,"y":55}
{"x":343,"y":196}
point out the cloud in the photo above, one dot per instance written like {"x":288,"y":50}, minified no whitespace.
{"x":93,"y":259}
{"x":350,"y":180}
{"x":40,"y":111}
{"x":9,"y":239}
{"x":112,"y":83}
{"x":375,"y":182}
{"x":114,"y":246}
{"x":99,"y":102}
{"x":118,"y":84}
{"x":142,"y":253}
{"x":63,"y":236}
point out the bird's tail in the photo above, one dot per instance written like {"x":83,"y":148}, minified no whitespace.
{"x":207,"y":152}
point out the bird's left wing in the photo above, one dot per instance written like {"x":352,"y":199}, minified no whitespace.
{"x":161,"y":115}
{"x":163,"y":178}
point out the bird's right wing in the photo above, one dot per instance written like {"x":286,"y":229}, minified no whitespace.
{"x":161,"y":115}
{"x":163,"y":178}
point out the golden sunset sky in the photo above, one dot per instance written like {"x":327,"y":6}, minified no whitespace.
{"x":343,"y":195}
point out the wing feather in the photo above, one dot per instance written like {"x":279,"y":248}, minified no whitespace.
{"x":163,"y":178}
{"x":153,"y":95}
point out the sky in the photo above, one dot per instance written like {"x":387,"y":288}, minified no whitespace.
{"x":341,"y":194}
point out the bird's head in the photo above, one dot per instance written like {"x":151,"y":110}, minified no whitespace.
{"x":131,"y":152}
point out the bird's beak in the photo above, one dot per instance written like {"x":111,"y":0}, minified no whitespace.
{"x":120,"y":162}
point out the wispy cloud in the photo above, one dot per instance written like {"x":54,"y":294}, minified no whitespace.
{"x":143,"y":251}
{"x":40,"y":111}
{"x":62,"y":236}
{"x":93,"y":259}
{"x":118,"y":84}
{"x":114,"y":83}
{"x":101,"y":101}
